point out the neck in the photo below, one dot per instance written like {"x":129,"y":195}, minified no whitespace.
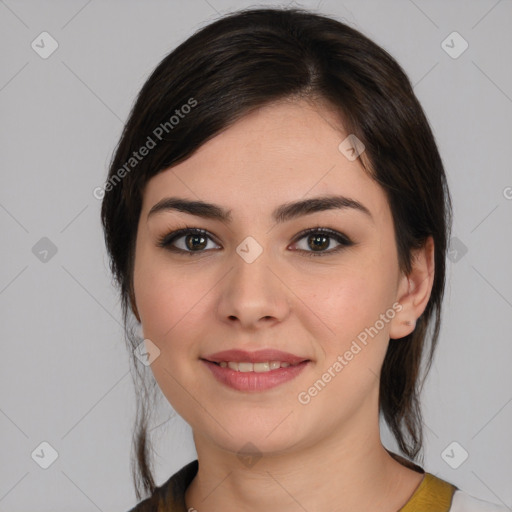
{"x":343,"y":472}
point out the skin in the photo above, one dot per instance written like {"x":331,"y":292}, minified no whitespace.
{"x":326,"y":455}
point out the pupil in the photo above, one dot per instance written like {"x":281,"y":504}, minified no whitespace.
{"x":194,"y":238}
{"x":322,"y":244}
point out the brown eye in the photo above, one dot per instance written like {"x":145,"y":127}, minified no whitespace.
{"x":188,"y":240}
{"x":195,"y":241}
{"x":319,"y":239}
{"x":318,"y":242}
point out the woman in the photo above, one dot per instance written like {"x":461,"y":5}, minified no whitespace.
{"x":277,"y":218}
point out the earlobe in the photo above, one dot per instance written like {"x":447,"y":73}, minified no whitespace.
{"x":414,"y":291}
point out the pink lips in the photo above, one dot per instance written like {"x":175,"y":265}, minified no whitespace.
{"x":254,"y":381}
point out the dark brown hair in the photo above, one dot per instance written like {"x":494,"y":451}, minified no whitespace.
{"x":246,"y":60}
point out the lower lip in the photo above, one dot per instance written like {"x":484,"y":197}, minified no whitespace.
{"x":254,"y":381}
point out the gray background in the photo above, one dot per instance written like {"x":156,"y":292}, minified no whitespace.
{"x":64,"y":372}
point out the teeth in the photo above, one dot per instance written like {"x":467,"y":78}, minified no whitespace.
{"x":255,"y":367}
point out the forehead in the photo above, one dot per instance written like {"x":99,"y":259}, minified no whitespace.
{"x":278,"y":153}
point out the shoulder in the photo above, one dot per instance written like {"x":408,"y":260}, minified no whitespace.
{"x":464,"y":502}
{"x":436,"y":494}
{"x":150,"y":504}
{"x":169,"y":497}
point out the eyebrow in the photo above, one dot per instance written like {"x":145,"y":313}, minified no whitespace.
{"x":283,"y":213}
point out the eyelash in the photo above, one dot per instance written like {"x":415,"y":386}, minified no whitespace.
{"x":166,"y":240}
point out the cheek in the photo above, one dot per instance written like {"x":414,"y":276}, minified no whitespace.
{"x":174,"y":303}
{"x":350,"y":302}
{"x":165,"y":301}
{"x":349,"y":298}
{"x":156,"y":289}
{"x":169,"y":303}
{"x":355,"y":345}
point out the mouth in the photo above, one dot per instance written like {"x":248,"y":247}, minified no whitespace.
{"x":254,"y":377}
{"x":259,"y":367}
{"x":260,"y":360}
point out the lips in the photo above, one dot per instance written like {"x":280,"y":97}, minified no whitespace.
{"x":259,"y":356}
{"x":255,"y":382}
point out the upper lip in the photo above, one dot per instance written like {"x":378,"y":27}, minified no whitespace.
{"x":259,"y":356}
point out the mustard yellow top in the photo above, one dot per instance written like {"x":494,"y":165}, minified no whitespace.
{"x":432,"y":495}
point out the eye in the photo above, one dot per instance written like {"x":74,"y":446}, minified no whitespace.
{"x":185,"y":241}
{"x":319,"y":239}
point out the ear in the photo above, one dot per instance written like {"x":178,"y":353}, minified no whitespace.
{"x":414,"y":291}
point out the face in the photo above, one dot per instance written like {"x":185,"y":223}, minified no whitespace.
{"x":255,"y":282}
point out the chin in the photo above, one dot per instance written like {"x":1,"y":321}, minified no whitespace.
{"x":251,"y":436}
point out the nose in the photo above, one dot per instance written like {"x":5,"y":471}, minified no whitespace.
{"x":254,"y":294}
